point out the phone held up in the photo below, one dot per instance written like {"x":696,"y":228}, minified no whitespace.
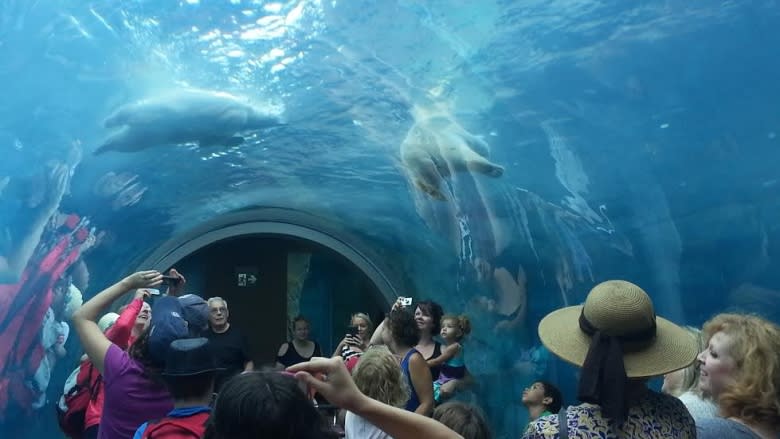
{"x":352,"y":331}
{"x":406,"y":301}
{"x":171,"y":280}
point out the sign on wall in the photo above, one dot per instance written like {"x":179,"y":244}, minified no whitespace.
{"x":246,"y":276}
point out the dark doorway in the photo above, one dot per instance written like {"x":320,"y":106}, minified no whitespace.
{"x":268,"y":280}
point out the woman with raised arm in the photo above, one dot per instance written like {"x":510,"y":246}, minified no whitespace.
{"x":133,"y":393}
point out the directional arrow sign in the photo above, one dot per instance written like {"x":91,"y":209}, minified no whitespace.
{"x":246,"y":276}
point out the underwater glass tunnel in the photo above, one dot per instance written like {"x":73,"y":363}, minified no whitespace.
{"x":322,"y":158}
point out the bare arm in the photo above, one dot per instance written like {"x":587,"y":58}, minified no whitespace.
{"x":282,"y":350}
{"x":249,"y":365}
{"x":176,"y":289}
{"x":399,"y":423}
{"x":337,"y":352}
{"x":93,"y":340}
{"x":449,"y":388}
{"x":376,"y":337}
{"x":422,"y":382}
{"x":342,"y":391}
{"x":12,"y":265}
{"x":354,"y":342}
{"x":447,"y":354}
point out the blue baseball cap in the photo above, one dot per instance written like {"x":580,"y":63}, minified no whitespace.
{"x":174,"y":318}
{"x":196,"y":313}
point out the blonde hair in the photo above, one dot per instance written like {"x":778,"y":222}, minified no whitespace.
{"x":462,"y":322}
{"x":378,"y":375}
{"x":465,"y":419}
{"x":755,"y":347}
{"x":364,"y":316}
{"x":690,"y":380}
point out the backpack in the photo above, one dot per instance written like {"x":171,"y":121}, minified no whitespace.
{"x":187,"y":427}
{"x":79,"y":390}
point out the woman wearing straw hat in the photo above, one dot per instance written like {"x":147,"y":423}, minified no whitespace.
{"x":620,"y":343}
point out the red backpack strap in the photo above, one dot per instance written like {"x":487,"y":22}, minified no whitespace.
{"x":172,"y":427}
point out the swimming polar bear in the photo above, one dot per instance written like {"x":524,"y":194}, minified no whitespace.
{"x":436,"y":146}
{"x":181,"y":116}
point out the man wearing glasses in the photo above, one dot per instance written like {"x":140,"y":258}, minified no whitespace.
{"x":228,"y":343}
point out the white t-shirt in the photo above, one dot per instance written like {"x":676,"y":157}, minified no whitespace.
{"x":700,"y":408}
{"x":356,"y":427}
{"x":51,"y":331}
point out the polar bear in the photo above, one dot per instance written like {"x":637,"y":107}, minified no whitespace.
{"x":437,"y":147}
{"x":181,"y":116}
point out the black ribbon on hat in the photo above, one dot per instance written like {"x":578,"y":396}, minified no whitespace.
{"x":603,"y":375}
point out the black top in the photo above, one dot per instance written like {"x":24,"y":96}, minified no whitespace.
{"x":231,"y":351}
{"x":435,"y":370}
{"x":293,"y":357}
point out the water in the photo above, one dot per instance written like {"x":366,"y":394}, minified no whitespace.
{"x":638,"y":141}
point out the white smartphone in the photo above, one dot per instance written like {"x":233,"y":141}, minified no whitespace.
{"x":406,"y":301}
{"x":153,"y":291}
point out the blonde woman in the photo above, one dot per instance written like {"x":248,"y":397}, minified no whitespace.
{"x":378,"y":375}
{"x":684,"y":384}
{"x":356,"y":340}
{"x":740,"y":370}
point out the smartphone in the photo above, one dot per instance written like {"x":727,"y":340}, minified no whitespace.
{"x":353,"y":331}
{"x":153,"y":291}
{"x":171,"y":280}
{"x":406,"y":301}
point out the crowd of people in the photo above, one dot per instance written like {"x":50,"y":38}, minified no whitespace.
{"x":187,"y":369}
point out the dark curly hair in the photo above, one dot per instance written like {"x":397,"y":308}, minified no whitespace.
{"x":403,"y":328}
{"x":265,"y":404}
{"x":435,"y":311}
{"x":139,"y":351}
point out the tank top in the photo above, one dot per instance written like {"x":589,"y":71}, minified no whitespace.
{"x":435,"y":370}
{"x":414,"y":400}
{"x":293,"y":357}
{"x":453,"y":369}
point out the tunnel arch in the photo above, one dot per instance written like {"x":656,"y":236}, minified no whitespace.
{"x":281,"y":223}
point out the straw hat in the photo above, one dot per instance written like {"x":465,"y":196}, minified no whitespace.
{"x":620,"y":308}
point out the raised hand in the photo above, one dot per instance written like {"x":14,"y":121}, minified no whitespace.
{"x":176,"y":288}
{"x":142,"y":293}
{"x":334,"y":381}
{"x":56,"y":185}
{"x":143,"y":279}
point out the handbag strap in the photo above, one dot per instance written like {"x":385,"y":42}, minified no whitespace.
{"x":563,"y":424}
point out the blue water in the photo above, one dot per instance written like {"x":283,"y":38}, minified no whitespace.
{"x":638,"y":141}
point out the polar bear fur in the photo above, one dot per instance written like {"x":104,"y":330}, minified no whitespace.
{"x":436,"y":147}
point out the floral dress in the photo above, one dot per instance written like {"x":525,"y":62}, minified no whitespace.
{"x":655,"y":416}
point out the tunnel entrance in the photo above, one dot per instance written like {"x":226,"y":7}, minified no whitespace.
{"x":270,"y":270}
